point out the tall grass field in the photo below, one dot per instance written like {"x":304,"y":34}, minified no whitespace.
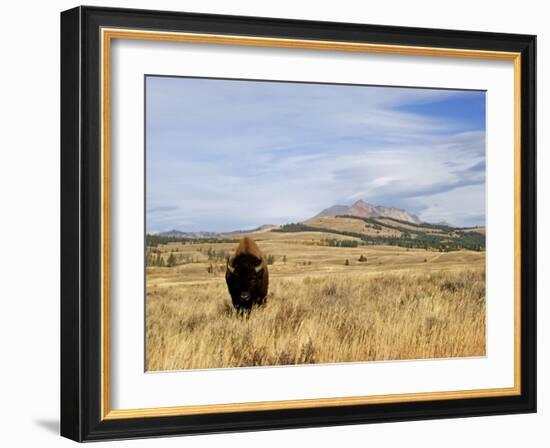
{"x":324,"y":306}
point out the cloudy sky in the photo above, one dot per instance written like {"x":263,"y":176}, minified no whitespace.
{"x":226,"y":154}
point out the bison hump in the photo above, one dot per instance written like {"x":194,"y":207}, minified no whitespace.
{"x":247,"y":246}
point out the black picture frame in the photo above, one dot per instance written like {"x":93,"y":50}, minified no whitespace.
{"x":81,"y":224}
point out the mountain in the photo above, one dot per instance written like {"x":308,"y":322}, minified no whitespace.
{"x":179,"y":234}
{"x":197,"y":235}
{"x":365,"y":210}
{"x":335,"y":210}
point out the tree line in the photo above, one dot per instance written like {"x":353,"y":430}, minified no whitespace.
{"x":454,"y":239}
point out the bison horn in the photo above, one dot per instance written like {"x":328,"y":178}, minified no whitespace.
{"x":229,"y":267}
{"x":259,"y":267}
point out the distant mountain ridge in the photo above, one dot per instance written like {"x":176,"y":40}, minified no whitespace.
{"x":360,"y":224}
{"x":197,"y":235}
{"x":359,"y":208}
{"x":365,"y":210}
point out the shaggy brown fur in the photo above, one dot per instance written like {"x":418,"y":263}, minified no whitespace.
{"x":247,"y":276}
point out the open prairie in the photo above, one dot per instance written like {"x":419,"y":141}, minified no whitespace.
{"x":324,"y":304}
{"x":367,"y":202}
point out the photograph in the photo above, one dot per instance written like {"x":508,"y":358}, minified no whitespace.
{"x":298,"y":223}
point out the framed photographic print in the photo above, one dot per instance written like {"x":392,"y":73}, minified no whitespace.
{"x":273,"y":223}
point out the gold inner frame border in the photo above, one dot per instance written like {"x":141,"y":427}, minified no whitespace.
{"x":107,"y":35}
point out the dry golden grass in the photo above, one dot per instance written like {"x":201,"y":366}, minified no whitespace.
{"x":305,"y":258}
{"x":320,"y":316}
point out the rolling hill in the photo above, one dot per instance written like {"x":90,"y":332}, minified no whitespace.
{"x":360,"y":224}
{"x":392,"y":231}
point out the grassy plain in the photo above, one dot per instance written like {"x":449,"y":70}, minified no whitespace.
{"x":324,"y":305}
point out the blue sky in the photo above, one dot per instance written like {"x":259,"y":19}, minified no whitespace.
{"x":226,"y":154}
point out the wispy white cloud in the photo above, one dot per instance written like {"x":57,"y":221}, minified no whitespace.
{"x":223,"y":155}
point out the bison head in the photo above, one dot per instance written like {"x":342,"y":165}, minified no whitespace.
{"x":247,"y":274}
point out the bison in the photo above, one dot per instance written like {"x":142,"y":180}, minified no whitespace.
{"x":246,"y":276}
